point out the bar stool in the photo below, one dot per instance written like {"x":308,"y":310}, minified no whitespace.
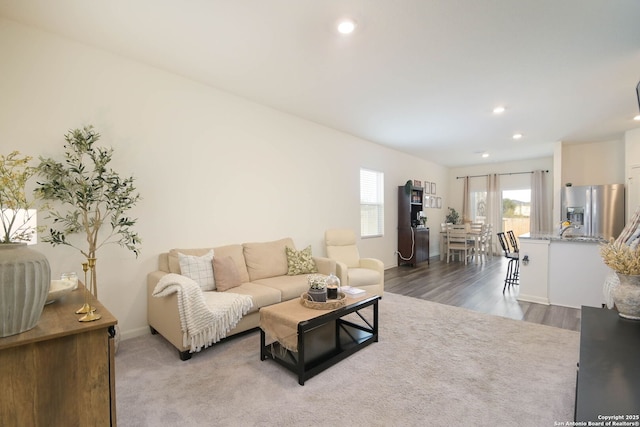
{"x":513,"y":241}
{"x":514,"y":262}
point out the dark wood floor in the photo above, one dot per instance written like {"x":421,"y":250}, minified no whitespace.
{"x":476,"y":287}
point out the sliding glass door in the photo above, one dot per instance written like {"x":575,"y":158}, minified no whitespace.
{"x":516,"y":211}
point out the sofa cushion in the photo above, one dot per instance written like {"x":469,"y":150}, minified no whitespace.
{"x":225,"y":273}
{"x":237,"y":255}
{"x":199,"y":269}
{"x":300,"y":262}
{"x":289,"y":286}
{"x":267,"y":259}
{"x":261,"y":295}
{"x":174,"y":262}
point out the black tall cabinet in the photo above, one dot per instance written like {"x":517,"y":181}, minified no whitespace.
{"x":413,"y":240}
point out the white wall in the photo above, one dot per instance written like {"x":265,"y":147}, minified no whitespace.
{"x":632,"y":170}
{"x":632,"y":147}
{"x":594,"y":163}
{"x":212,"y":168}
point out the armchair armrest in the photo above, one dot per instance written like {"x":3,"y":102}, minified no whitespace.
{"x":325,"y":265}
{"x":377,"y":265}
{"x":372,"y":264}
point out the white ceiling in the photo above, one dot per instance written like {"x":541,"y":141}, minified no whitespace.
{"x":421,"y":76}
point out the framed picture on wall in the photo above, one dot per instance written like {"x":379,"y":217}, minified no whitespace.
{"x":433,"y":188}
{"x":417,"y":183}
{"x":427,"y":187}
{"x":439,"y":202}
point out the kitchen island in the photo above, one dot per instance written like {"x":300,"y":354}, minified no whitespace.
{"x":565,"y":271}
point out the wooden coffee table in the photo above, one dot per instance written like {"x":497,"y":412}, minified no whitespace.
{"x":308,"y":341}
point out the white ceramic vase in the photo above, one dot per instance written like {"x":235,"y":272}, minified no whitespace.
{"x":25,"y":278}
{"x":626,"y":296}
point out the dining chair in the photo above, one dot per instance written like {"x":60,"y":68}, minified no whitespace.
{"x":476,"y":227}
{"x":487,"y":235}
{"x":444,"y":248}
{"x":482,"y":240}
{"x":476,"y":230}
{"x":458,"y":243}
{"x":514,"y":262}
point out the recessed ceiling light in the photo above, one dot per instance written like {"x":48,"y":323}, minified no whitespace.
{"x":498,"y":110}
{"x":637,"y":118}
{"x":485,"y":155}
{"x":346,"y":26}
{"x":517,"y":135}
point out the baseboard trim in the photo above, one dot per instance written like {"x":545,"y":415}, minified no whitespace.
{"x":132,"y":333}
{"x":533,"y":298}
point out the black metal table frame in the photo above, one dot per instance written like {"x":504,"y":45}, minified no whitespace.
{"x":359,"y":336}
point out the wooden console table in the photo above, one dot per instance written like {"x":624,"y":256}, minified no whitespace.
{"x":60,"y":373}
{"x":609,"y":372}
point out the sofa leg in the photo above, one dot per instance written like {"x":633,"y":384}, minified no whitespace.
{"x":184,"y":355}
{"x":153,"y":331}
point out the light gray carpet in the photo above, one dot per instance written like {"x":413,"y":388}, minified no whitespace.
{"x":434,"y":365}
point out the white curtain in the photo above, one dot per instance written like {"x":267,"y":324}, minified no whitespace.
{"x":540,"y":221}
{"x":466,"y":201}
{"x":494,"y":206}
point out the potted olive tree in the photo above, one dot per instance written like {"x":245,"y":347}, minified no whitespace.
{"x":87,"y":197}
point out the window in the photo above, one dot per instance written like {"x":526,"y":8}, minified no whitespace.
{"x":516,"y":210}
{"x":371,"y":203}
{"x":478,"y":207}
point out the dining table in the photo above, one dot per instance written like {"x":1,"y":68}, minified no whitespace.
{"x":474,"y":235}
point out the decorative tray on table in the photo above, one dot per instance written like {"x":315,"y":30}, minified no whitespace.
{"x":331,"y":304}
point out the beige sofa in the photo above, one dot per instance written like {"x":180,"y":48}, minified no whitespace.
{"x":262,"y":268}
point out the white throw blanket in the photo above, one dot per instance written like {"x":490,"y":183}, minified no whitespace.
{"x":203,"y":323}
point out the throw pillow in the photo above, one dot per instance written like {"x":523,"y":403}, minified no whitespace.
{"x":226,"y":273}
{"x":300,"y":262}
{"x":199,"y":269}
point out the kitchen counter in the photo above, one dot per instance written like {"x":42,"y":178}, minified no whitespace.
{"x":566,"y":238}
{"x":566,"y":271}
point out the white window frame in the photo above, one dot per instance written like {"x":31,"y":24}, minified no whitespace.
{"x":371,"y":203}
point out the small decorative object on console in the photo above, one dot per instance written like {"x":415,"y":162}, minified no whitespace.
{"x":71,"y":277}
{"x":58,"y":289}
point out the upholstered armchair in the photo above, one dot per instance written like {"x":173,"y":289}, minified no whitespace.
{"x":364,"y":273}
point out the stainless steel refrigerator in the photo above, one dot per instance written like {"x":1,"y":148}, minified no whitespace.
{"x":597,"y":210}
